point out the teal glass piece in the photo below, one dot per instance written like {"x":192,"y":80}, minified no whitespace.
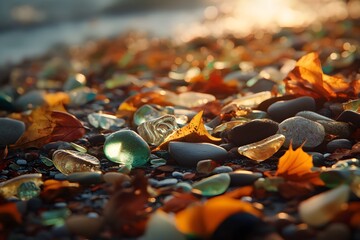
{"x":155,"y":131}
{"x":121,"y":80}
{"x":105,"y":121}
{"x":335,"y":177}
{"x":47,"y":161}
{"x":55,"y":217}
{"x":81,"y":96}
{"x":78,"y":147}
{"x":269,"y":184}
{"x":158,"y":162}
{"x":28,"y":190}
{"x":73,"y":82}
{"x":212,"y":186}
{"x":126,"y":147}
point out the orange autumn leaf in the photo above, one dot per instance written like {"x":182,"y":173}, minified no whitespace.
{"x":55,"y":99}
{"x":296,"y":166}
{"x":193,"y":132}
{"x":308,"y":79}
{"x":48,"y":126}
{"x":53,"y":189}
{"x":215,"y":85}
{"x":203,"y":219}
{"x":132,"y":103}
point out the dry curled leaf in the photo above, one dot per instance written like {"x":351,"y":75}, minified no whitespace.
{"x":48,"y":126}
{"x":126,"y":211}
{"x":215,"y":85}
{"x":203,"y":219}
{"x":308,"y":79}
{"x":296,"y":166}
{"x":132,"y":103}
{"x":193,"y":132}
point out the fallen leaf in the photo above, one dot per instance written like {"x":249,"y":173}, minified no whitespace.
{"x":290,"y":190}
{"x":126,"y":211}
{"x":296,"y":166}
{"x":345,"y":153}
{"x":53,"y":189}
{"x":56,"y":99}
{"x":308,"y":79}
{"x":193,"y":132}
{"x":47,"y":126}
{"x":178,"y":202}
{"x":203,"y":219}
{"x":132,"y":103}
{"x":215,"y":85}
{"x":240,"y":192}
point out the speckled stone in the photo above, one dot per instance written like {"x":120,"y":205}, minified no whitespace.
{"x":189,"y":154}
{"x":11,"y":130}
{"x":313,"y":116}
{"x":339,"y":129}
{"x":338,"y":144}
{"x":282,"y":110}
{"x":299,"y":130}
{"x":252,"y":131}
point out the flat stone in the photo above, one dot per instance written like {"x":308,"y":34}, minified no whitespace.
{"x":30,"y":100}
{"x":86,"y":177}
{"x":241,"y":178}
{"x":84,"y":226}
{"x":189,"y":154}
{"x":11,"y":130}
{"x":350,"y":117}
{"x":299,"y":130}
{"x":339,"y":129}
{"x":313,"y":116}
{"x":222,"y":169}
{"x":282,"y":110}
{"x":21,"y":162}
{"x":167,"y":182}
{"x":252,"y":131}
{"x":338,"y":144}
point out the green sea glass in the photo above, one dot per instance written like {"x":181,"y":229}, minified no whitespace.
{"x":10,"y":187}
{"x":28,"y":190}
{"x":126,"y":147}
{"x":212,"y":186}
{"x":105,"y":121}
{"x":149,"y":112}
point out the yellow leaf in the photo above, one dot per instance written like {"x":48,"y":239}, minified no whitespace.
{"x":203,"y":220}
{"x":296,"y":166}
{"x":193,"y":132}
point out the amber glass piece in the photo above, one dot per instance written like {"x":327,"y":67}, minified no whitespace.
{"x":10,"y":187}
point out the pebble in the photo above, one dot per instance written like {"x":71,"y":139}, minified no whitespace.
{"x":279,"y":111}
{"x":30,"y":100}
{"x":205,"y":166}
{"x":212,"y":186}
{"x":60,"y":176}
{"x":261,"y":85}
{"x":86,"y":177}
{"x":321,"y":208}
{"x":84,"y":226}
{"x":97,"y":139}
{"x":299,"y":130}
{"x":112,"y":177}
{"x":177,"y":174}
{"x":189,"y":154}
{"x":167,"y":182}
{"x":335,"y":231}
{"x":241,"y":178}
{"x":338,"y":144}
{"x":339,"y":129}
{"x":21,"y":162}
{"x":126,"y":147}
{"x":313,"y":116}
{"x":60,"y":204}
{"x":252,"y":131}
{"x":350,"y":117}
{"x":11,"y":130}
{"x":34,"y":204}
{"x":222,"y":169}
{"x":318,"y":159}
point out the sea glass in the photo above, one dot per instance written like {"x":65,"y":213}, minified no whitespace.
{"x":212,"y":186}
{"x":250,"y":100}
{"x":126,"y":147}
{"x":228,"y":125}
{"x":155,"y":131}
{"x":149,"y":112}
{"x":262,"y":150}
{"x":10,"y":187}
{"x":70,"y":161}
{"x":75,"y":81}
{"x":322,"y":208}
{"x":28,"y":190}
{"x":55,"y":217}
{"x":81,"y":96}
{"x":193,"y":99}
{"x":105,"y":121}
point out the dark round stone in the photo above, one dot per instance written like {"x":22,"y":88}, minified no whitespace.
{"x":261,"y":85}
{"x":252,"y":131}
{"x":241,"y":226}
{"x":96,"y":140}
{"x":318,"y":159}
{"x":266,"y":104}
{"x":350,"y":117}
{"x":34,"y":204}
{"x":338,"y":144}
{"x":282,"y":110}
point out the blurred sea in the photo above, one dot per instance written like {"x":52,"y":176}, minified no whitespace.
{"x":30,"y":28}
